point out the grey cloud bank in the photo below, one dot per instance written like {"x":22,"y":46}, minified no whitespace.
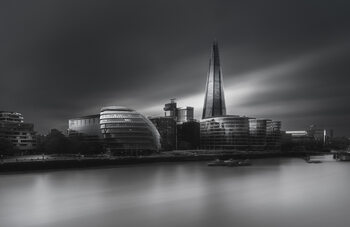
{"x":287,"y":60}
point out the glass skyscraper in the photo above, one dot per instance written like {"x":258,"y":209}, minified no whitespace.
{"x":214,"y":103}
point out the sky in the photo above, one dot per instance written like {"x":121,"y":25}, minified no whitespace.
{"x":283,"y":60}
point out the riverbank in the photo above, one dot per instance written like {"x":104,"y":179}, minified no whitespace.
{"x":69,"y":162}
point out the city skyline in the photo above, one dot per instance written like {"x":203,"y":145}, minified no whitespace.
{"x":288,"y":64}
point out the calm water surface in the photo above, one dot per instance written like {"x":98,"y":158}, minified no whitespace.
{"x":272,"y":192}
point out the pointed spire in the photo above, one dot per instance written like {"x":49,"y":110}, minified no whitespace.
{"x":214,"y":102}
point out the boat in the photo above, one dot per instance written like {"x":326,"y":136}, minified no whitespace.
{"x":342,"y":155}
{"x":217,"y":162}
{"x":230,"y":162}
{"x":314,"y":161}
{"x":235,"y":163}
{"x":245,"y":162}
{"x":308,"y":160}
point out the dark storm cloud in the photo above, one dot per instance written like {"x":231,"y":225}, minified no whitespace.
{"x":61,"y":59}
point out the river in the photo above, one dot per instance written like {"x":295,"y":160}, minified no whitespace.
{"x":271,"y":192}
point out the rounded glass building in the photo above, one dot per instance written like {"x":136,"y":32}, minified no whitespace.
{"x":127,"y":132}
{"x":228,"y":132}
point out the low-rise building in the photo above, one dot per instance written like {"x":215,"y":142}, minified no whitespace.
{"x":20,"y":134}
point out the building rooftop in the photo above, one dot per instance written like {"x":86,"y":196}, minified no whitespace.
{"x":116,"y":108}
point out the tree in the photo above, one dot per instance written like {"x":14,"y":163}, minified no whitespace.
{"x":6,"y":147}
{"x":55,"y":143}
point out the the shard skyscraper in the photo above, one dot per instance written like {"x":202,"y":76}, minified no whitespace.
{"x":214,"y":102}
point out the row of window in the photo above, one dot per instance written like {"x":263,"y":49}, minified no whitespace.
{"x":126,"y":115}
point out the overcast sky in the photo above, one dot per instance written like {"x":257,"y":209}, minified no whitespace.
{"x":285,"y":60}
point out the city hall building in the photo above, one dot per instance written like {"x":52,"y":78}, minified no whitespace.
{"x":126,"y":131}
{"x":122,"y":131}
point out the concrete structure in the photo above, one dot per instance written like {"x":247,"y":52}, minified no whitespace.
{"x":20,"y":134}
{"x":179,"y":114}
{"x":185,"y":114}
{"x":127,"y":132}
{"x":312,"y":134}
{"x":299,"y":136}
{"x":320,"y":135}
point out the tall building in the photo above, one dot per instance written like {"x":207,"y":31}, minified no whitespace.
{"x":166,"y":127}
{"x":214,"y":102}
{"x":20,"y":134}
{"x":219,"y":131}
{"x":179,"y":114}
{"x":186,"y":134}
{"x":171,"y":109}
{"x":185,"y":114}
{"x":127,"y":132}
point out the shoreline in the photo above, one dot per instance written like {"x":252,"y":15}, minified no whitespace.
{"x":83,"y":163}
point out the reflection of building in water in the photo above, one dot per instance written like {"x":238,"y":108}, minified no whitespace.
{"x":20,"y":134}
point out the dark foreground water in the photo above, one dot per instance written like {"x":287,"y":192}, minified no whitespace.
{"x":272,"y":192}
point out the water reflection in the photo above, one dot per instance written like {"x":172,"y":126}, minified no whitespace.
{"x":274,"y":192}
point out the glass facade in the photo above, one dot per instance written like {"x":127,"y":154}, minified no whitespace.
{"x":257,"y":134}
{"x":188,"y":135}
{"x":86,"y":128}
{"x":166,"y":127}
{"x":273,"y":135}
{"x":214,"y":102}
{"x":224,"y":133}
{"x":127,"y":132}
{"x":185,"y":114}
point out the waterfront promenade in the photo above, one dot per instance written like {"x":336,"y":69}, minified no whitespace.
{"x":46,"y":162}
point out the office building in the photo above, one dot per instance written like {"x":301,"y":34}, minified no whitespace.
{"x":127,"y":132}
{"x":188,"y":134}
{"x":86,"y":128}
{"x":166,"y":127}
{"x":20,"y":134}
{"x":185,"y":114}
{"x":257,"y":134}
{"x":228,"y":132}
{"x":273,"y":135}
{"x":219,"y":131}
{"x":179,"y":114}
